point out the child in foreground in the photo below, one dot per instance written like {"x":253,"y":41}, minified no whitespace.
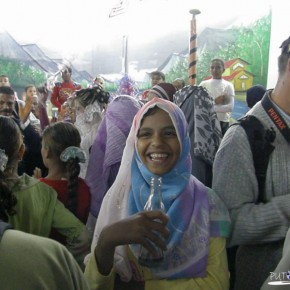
{"x":191,"y":231}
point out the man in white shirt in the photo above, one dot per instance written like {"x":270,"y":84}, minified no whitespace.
{"x":222,"y":92}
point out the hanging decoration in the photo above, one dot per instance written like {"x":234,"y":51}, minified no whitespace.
{"x":127,"y":86}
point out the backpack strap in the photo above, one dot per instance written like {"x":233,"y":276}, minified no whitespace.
{"x":260,"y":140}
{"x":3,"y":227}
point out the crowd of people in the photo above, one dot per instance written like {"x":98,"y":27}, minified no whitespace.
{"x":74,"y":189}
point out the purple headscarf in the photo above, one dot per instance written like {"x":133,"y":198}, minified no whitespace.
{"x":107,"y":149}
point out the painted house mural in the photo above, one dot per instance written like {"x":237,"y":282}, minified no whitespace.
{"x":246,"y":43}
{"x":236,"y":72}
{"x":245,"y":50}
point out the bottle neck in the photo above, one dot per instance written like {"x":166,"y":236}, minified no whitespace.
{"x":155,"y":200}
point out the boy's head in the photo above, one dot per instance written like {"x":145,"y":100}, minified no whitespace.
{"x":254,"y":94}
{"x":30,"y":91}
{"x":217,"y":68}
{"x":157,"y":77}
{"x":66,"y":73}
{"x":4,"y":81}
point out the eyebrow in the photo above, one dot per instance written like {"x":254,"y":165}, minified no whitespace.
{"x":164,"y":128}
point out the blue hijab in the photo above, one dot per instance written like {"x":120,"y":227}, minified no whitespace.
{"x":195,"y":212}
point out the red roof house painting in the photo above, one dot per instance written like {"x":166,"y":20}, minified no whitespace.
{"x":236,"y":73}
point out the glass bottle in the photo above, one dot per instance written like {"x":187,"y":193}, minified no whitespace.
{"x":154,"y":202}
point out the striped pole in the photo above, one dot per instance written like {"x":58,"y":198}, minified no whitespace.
{"x":192,"y":49}
{"x":125,"y":55}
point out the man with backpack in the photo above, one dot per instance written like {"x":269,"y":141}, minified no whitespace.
{"x":256,"y":193}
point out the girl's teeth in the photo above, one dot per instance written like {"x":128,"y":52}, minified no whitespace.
{"x":156,"y":156}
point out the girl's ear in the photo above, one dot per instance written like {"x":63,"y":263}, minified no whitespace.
{"x":47,"y":153}
{"x":21,"y":152}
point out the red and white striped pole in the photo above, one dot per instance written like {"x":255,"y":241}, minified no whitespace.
{"x":192,"y":49}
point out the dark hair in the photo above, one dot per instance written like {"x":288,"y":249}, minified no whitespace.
{"x":8,"y":200}
{"x":254,"y":94}
{"x":158,"y":73}
{"x":150,"y":112}
{"x":29,"y":86}
{"x":10,"y":138}
{"x":219,"y":60}
{"x":57,"y":137}
{"x":7,"y":91}
{"x":67,"y":68}
{"x":284,"y":56}
{"x":88,"y":96}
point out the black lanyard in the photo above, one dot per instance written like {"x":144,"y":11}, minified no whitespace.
{"x":276,"y":117}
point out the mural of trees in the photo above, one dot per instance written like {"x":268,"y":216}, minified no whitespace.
{"x":178,"y":70}
{"x":251,"y":44}
{"x":20,"y":74}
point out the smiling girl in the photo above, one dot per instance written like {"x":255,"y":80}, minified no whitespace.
{"x":192,"y":230}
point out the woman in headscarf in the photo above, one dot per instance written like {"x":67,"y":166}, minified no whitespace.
{"x":203,"y":127}
{"x":192,"y":229}
{"x":163,"y":90}
{"x":107,"y":149}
